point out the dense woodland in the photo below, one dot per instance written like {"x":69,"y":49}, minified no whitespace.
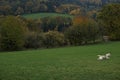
{"x":18,"y":33}
{"x":17,"y":7}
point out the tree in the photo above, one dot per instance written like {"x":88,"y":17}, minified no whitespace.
{"x":28,"y":6}
{"x":84,"y":30}
{"x":19,"y":11}
{"x":73,"y":35}
{"x":12,"y":33}
{"x":43,"y":8}
{"x":5,"y":10}
{"x":59,"y":23}
{"x":34,"y":25}
{"x":109,"y":16}
{"x":0,"y":41}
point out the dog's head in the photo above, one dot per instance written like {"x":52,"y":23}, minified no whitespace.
{"x":108,"y":54}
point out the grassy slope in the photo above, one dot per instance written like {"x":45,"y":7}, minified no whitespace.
{"x":70,"y":63}
{"x":41,"y":15}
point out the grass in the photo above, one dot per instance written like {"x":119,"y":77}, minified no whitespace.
{"x":42,"y":15}
{"x":69,"y":63}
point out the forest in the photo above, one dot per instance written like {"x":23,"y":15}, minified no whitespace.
{"x":18,"y":7}
{"x":18,"y":33}
{"x":92,"y":21}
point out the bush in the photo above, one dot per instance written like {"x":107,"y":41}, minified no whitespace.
{"x":53,"y":39}
{"x":34,"y":40}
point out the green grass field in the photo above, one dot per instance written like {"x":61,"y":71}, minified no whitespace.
{"x":69,"y":63}
{"x":42,"y":15}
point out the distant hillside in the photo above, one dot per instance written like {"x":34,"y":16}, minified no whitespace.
{"x":43,"y":15}
{"x":17,"y":7}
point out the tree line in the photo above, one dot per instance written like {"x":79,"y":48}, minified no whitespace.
{"x":17,"y":33}
{"x":18,"y":7}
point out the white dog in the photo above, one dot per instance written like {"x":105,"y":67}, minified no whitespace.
{"x":103,"y":57}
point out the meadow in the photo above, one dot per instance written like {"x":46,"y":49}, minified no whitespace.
{"x":42,"y":15}
{"x":68,"y":63}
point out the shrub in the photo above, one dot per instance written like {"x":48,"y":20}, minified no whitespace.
{"x":53,"y":39}
{"x":33,"y":40}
